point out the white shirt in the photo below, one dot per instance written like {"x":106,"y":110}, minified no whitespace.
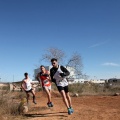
{"x":27,"y":84}
{"x":60,"y":81}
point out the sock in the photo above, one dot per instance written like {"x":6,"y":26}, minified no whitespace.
{"x":33,"y":98}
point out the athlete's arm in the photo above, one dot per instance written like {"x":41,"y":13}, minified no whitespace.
{"x":51,"y":75}
{"x":65,"y":71}
{"x":38,"y":77}
{"x":49,"y":78}
{"x":23,"y":87}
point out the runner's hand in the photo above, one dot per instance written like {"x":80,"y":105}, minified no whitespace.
{"x":62,"y":74}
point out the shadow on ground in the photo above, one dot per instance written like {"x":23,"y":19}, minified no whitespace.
{"x":59,"y":114}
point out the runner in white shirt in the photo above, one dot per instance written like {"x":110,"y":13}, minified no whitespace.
{"x":27,"y":87}
{"x":58,"y":76}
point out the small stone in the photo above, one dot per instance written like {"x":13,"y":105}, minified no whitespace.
{"x":116,"y":94}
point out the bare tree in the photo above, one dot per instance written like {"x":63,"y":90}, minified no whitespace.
{"x":53,"y":53}
{"x":75,"y":61}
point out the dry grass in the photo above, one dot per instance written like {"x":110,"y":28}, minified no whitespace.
{"x":9,"y":101}
{"x":9,"y":105}
{"x":93,"y":89}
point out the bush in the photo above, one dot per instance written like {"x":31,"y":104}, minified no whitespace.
{"x":7,"y":106}
{"x":77,"y":87}
{"x":7,"y":88}
{"x":93,"y":89}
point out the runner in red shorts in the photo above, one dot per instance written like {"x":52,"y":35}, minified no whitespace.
{"x":44,"y":80}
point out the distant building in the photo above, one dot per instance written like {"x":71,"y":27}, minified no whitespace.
{"x":114,"y":81}
{"x":98,"y":81}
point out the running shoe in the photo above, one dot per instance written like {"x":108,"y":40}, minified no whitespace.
{"x":69,"y":111}
{"x":72,"y":110}
{"x":51,"y":104}
{"x":34,"y":102}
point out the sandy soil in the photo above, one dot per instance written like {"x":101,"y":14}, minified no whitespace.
{"x":85,"y":108}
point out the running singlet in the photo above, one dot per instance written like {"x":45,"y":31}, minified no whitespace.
{"x":60,"y":81}
{"x":27,"y":84}
{"x":44,"y":79}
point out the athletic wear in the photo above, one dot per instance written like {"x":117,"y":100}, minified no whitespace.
{"x":69,"y":111}
{"x":58,"y":75}
{"x":29,"y":90}
{"x":53,"y":70}
{"x":60,"y":88}
{"x":44,"y":77}
{"x":27,"y":84}
{"x":34,"y":102}
{"x":72,"y":110}
{"x":50,"y":104}
{"x":48,"y":87}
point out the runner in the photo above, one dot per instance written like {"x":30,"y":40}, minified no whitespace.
{"x":44,"y":79}
{"x":58,"y":76}
{"x":26,"y":85}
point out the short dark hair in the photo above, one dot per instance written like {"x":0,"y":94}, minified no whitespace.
{"x":42,"y":66}
{"x":26,"y":74}
{"x":53,"y":59}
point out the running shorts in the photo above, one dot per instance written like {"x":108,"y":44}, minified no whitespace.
{"x":60,"y":88}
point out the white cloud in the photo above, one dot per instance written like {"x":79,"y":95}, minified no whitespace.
{"x":111,"y":64}
{"x":95,"y":45}
{"x":98,"y":44}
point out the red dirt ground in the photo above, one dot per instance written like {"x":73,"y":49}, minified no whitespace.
{"x":85,"y":108}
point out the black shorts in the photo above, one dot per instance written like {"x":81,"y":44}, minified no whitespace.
{"x":29,"y":90}
{"x":60,"y":88}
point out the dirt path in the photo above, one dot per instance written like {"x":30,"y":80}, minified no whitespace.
{"x":86,"y":108}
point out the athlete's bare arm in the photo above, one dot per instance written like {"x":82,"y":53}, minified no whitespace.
{"x":38,"y":78}
{"x":49,"y":76}
{"x":22,"y":85}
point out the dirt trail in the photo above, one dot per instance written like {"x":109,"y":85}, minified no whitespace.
{"x":85,"y":107}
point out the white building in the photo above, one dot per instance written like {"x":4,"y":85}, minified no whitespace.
{"x":98,"y":81}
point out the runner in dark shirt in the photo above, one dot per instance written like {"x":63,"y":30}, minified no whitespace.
{"x":58,"y":76}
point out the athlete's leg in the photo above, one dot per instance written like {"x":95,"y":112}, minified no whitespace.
{"x":33,"y":93}
{"x":27,"y":94}
{"x":64,"y":98}
{"x":69,"y":99}
{"x":48,"y":94}
{"x":68,"y":95}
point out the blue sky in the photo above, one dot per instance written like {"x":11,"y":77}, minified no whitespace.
{"x":29,"y":27}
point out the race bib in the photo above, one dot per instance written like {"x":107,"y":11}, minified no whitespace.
{"x":46,"y":82}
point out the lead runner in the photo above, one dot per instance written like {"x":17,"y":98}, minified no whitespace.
{"x":58,"y":76}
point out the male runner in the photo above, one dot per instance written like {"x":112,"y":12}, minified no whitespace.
{"x":58,"y":76}
{"x":26,"y":85}
{"x":44,"y":79}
